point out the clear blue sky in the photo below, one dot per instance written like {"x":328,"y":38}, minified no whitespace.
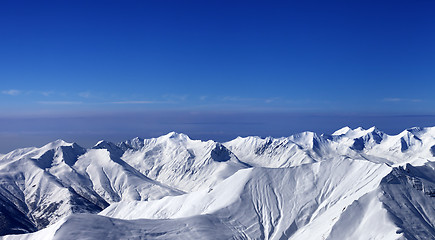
{"x":93,"y":59}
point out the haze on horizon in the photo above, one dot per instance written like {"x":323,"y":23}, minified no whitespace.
{"x":83,"y":71}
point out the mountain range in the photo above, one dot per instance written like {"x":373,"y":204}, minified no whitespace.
{"x":352,"y":184}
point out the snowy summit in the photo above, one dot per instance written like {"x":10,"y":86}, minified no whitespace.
{"x":352,"y":184}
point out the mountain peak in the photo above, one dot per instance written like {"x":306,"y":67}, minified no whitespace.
{"x":137,"y":139}
{"x":372,"y":129}
{"x":342,"y":131}
{"x":135,"y":144}
{"x":414,"y":130}
{"x":355,"y":133}
{"x":358,"y":172}
{"x":103,"y":144}
{"x":57,"y":143}
{"x":175,"y":135}
{"x":56,"y":152}
{"x":114,"y":150}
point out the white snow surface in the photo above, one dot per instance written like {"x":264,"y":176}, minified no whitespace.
{"x":185,"y":164}
{"x":353,"y":184}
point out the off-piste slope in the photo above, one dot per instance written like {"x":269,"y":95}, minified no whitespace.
{"x":266,"y":203}
{"x":176,"y":160}
{"x":339,"y":199}
{"x":41,"y":185}
{"x":38,"y":186}
{"x":30,"y":189}
{"x":405,"y":200}
{"x":352,"y":184}
{"x":306,"y":147}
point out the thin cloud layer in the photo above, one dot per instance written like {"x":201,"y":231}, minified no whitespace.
{"x":60,"y":102}
{"x":11,"y":92}
{"x":134,"y":102}
{"x":401,"y":100}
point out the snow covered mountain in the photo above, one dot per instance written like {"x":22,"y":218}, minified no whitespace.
{"x":352,"y":184}
{"x":178,"y":161}
{"x":38,"y":186}
{"x":412,"y":145}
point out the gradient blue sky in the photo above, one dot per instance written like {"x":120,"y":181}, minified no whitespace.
{"x":116,"y":66}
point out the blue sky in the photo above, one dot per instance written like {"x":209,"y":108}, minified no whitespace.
{"x":173,"y":59}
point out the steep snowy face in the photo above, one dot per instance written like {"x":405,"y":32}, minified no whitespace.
{"x":414,"y":145}
{"x":402,"y":207}
{"x":31,"y":190}
{"x":176,"y":160}
{"x":275,"y":152}
{"x":298,"y":149}
{"x":38,"y":186}
{"x":409,"y":196}
{"x":353,"y":184}
{"x":338,"y":199}
{"x":114,"y":180}
{"x":114,"y":150}
{"x":410,"y":146}
{"x":269,"y":203}
{"x":361,"y":138}
{"x":135,"y":144}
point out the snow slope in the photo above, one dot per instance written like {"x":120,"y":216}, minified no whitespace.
{"x":178,"y":161}
{"x":91,"y":226}
{"x":352,"y":184}
{"x":415,"y":145}
{"x":38,"y":186}
{"x":277,"y":152}
{"x":274,"y":203}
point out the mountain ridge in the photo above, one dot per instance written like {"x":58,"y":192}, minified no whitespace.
{"x":328,"y":181}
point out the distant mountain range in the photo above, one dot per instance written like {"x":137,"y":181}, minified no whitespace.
{"x":353,"y":184}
